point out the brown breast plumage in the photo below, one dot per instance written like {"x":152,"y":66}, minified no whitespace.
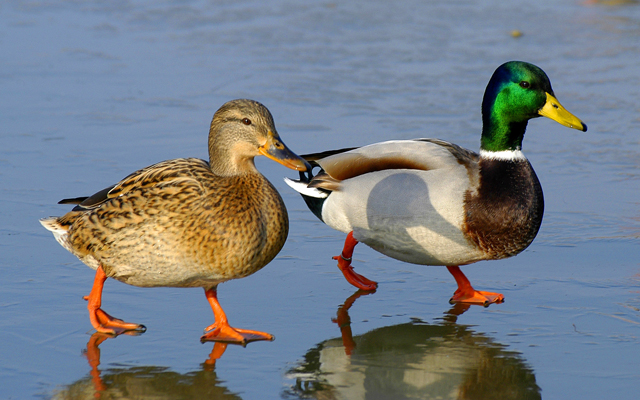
{"x":503,"y":216}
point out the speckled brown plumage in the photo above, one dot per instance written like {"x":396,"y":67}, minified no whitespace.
{"x":181,"y":226}
{"x":187,"y":222}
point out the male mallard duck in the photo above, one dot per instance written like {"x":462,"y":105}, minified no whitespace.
{"x":431,"y":202}
{"x":187,"y":222}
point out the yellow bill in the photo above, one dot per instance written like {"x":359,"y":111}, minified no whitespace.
{"x":552,"y":109}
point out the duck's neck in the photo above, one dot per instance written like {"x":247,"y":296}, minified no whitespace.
{"x":498,"y":135}
{"x":503,"y":124}
{"x":229,"y":159}
{"x":503,"y":155}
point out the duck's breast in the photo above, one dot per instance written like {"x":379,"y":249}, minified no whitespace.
{"x":246,"y":224}
{"x":504,"y":215}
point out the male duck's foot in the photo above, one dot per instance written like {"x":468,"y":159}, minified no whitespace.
{"x":476,"y":297}
{"x":344,"y":263}
{"x":105,"y":323}
{"x":225,"y":333}
{"x":352,"y":277}
{"x":467,"y":294}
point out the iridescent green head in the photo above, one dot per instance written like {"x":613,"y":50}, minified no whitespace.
{"x":517,"y":92}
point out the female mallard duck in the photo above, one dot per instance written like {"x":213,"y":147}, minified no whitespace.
{"x":187,"y":222}
{"x":431,"y":202}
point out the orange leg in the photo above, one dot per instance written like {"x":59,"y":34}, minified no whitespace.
{"x":100,"y":320}
{"x":221,"y":331}
{"x":344,"y":263}
{"x":467,"y":294}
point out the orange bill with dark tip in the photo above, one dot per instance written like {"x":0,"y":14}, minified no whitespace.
{"x":276,"y":150}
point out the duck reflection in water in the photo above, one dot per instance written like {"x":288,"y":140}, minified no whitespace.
{"x":443,"y":360}
{"x":146,"y":382}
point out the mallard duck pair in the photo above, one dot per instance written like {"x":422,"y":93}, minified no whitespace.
{"x":189,"y":223}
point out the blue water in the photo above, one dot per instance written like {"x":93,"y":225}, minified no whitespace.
{"x":94,"y":91}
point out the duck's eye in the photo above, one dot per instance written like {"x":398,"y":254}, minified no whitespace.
{"x":246,"y":121}
{"x":525,"y":84}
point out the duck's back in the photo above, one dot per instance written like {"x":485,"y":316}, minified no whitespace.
{"x":412,"y":211}
{"x":411,"y":215}
{"x":177,"y":224}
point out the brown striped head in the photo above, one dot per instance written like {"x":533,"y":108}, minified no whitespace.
{"x":242,"y":129}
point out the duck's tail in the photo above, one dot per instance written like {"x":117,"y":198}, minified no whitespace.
{"x":60,"y":232}
{"x":304,"y":189}
{"x":313,"y":197}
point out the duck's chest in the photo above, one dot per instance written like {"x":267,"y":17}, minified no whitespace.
{"x":503,"y":215}
{"x":244,"y":222}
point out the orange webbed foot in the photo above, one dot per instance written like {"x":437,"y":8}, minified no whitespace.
{"x":101,"y":321}
{"x":476,"y":297}
{"x":105,"y":323}
{"x":467,"y":294}
{"x":223,"y":332}
{"x":344,"y":263}
{"x":352,"y":276}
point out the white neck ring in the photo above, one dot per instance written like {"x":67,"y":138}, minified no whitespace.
{"x":504,"y":155}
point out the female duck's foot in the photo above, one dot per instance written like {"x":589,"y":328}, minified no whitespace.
{"x":224,"y":333}
{"x":105,"y":323}
{"x":467,"y":294}
{"x":221,"y":331}
{"x":344,"y":263}
{"x":101,"y":321}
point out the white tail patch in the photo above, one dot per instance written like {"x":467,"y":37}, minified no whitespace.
{"x":59,"y":233}
{"x":302,"y":188}
{"x":51,"y":224}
